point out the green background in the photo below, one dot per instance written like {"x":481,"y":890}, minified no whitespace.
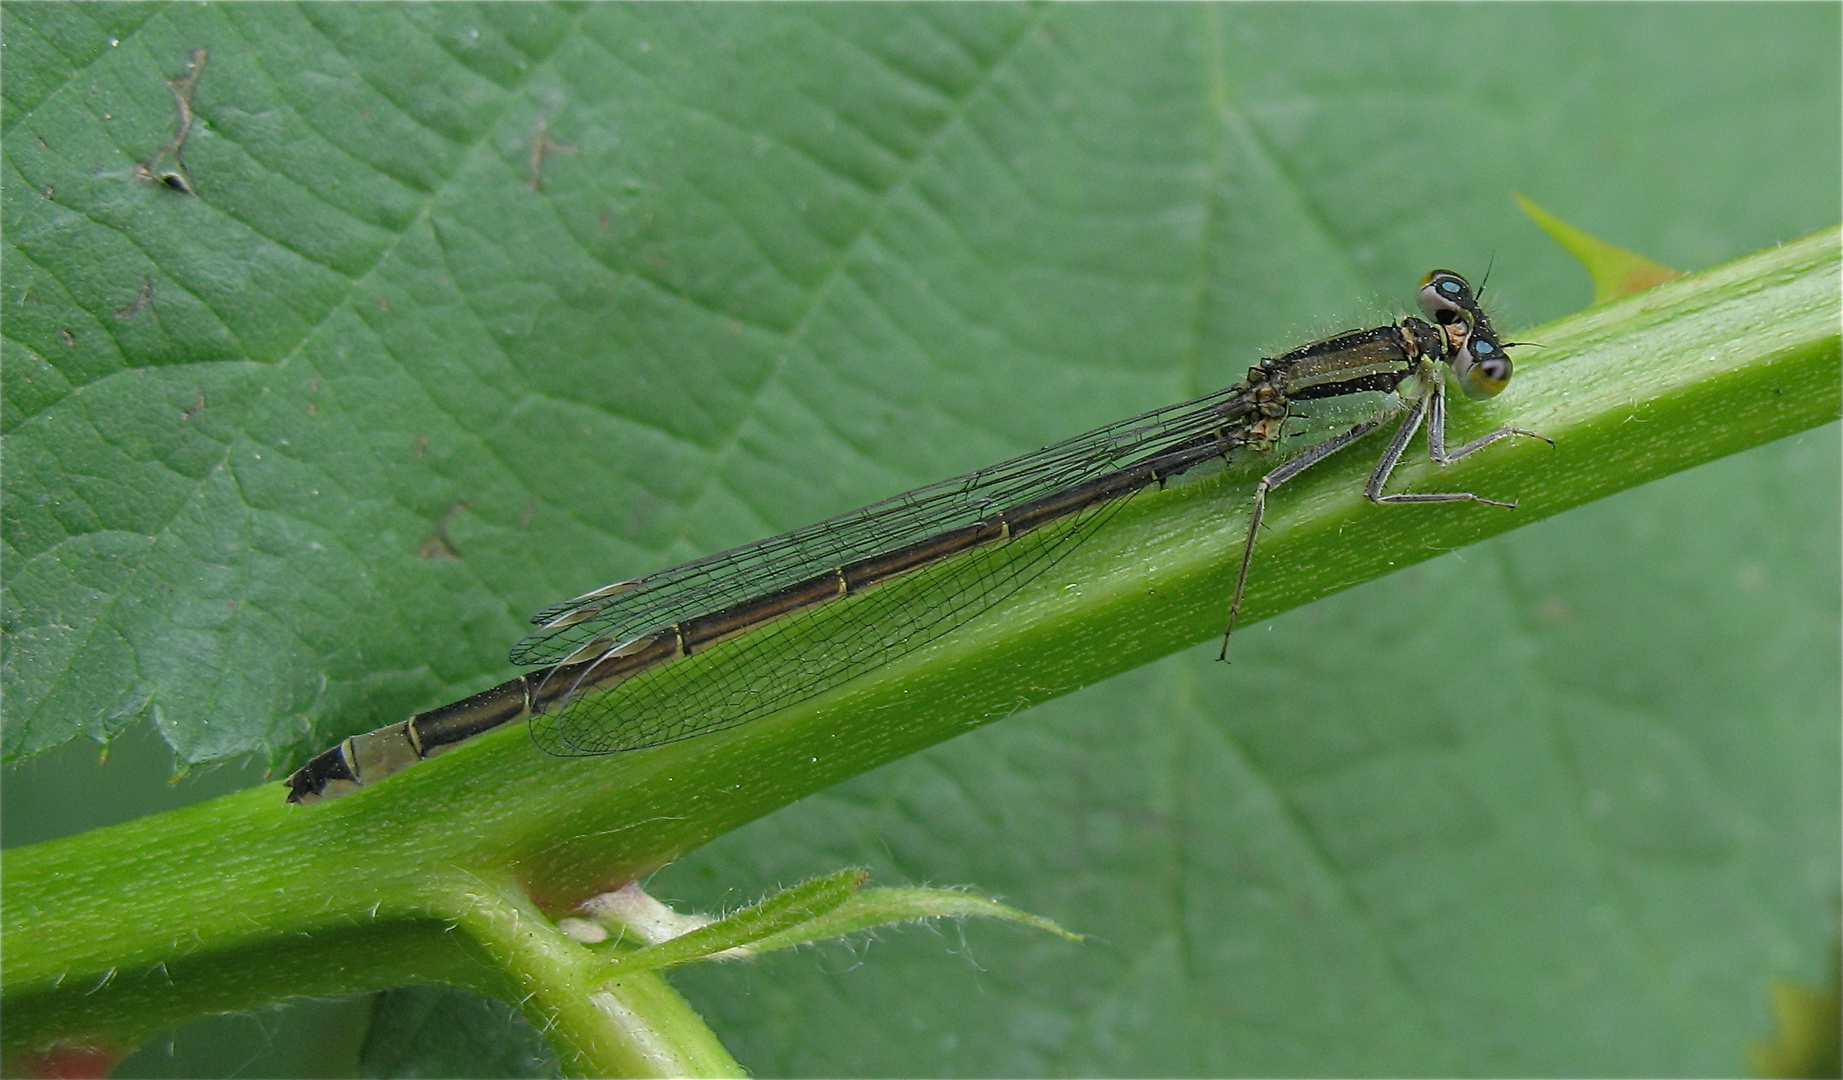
{"x":1563,"y":802}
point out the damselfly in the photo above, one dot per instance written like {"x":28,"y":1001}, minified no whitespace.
{"x":791,"y":617}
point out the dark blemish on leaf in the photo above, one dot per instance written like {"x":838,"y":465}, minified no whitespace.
{"x":198,"y":406}
{"x":177,"y":178}
{"x":541,"y":145}
{"x":313,"y":409}
{"x":69,"y":339}
{"x":439,"y":545}
{"x":51,"y":193}
{"x":42,"y":144}
{"x":142,"y":301}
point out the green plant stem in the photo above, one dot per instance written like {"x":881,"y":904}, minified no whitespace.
{"x":114,"y":934}
{"x":635,"y":1025}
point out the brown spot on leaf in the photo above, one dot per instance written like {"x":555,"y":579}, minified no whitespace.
{"x":177,"y":178}
{"x":542,"y":147}
{"x":438,"y":544}
{"x":143,"y":300}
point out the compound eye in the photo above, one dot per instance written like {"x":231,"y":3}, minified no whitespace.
{"x":1483,"y":369}
{"x":1446,"y":298}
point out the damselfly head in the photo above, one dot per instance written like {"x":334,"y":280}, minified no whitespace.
{"x":1478,"y":357}
{"x":1482,"y":365}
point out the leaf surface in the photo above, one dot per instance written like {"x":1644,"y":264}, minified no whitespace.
{"x":296,"y":457}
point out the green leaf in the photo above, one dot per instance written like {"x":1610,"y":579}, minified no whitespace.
{"x":873,"y":908}
{"x":1616,"y":271}
{"x":1566,"y":803}
{"x":438,"y":1031}
{"x":1806,"y":1039}
{"x":816,"y":910}
{"x":775,"y":915}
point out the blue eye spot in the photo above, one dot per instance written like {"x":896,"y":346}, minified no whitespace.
{"x":1449,"y":286}
{"x":1483,"y":347}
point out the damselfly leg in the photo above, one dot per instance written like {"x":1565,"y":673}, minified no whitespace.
{"x":1482,"y":369}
